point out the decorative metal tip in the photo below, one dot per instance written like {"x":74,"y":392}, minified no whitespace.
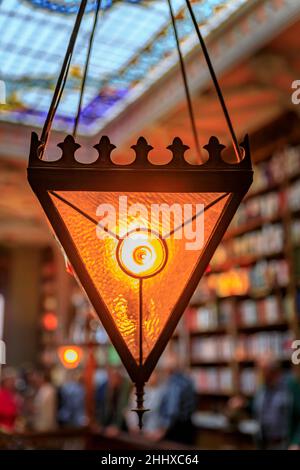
{"x":140,"y":413}
{"x":142,"y":149}
{"x":36,"y":150}
{"x":178,"y":149}
{"x":68,"y":147}
{"x":140,"y":410}
{"x":214,"y":149}
{"x":105,"y":148}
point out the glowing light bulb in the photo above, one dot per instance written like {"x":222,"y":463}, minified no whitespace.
{"x":142,"y":254}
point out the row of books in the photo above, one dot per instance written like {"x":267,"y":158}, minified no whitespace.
{"x":256,"y":280}
{"x":220,"y":380}
{"x":48,"y":321}
{"x":249,"y":380}
{"x":245,"y":313}
{"x":284,"y":164}
{"x":211,"y":349}
{"x":268,"y":206}
{"x":250,"y":347}
{"x":276,"y":344}
{"x":295,"y":232}
{"x":269,"y":240}
{"x":213,"y":380}
{"x":293,"y":196}
{"x":267,"y":311}
{"x":204,"y":318}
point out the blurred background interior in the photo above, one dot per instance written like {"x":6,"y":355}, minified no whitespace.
{"x":226,"y":380}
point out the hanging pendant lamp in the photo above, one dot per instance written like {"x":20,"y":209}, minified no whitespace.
{"x":126,"y":229}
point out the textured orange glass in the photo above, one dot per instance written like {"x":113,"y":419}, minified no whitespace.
{"x":119,"y":290}
{"x":160,"y":293}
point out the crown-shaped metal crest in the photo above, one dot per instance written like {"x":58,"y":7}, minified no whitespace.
{"x":143,"y":175}
{"x":142,"y":150}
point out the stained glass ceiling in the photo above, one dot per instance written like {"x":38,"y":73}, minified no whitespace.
{"x":134,"y":46}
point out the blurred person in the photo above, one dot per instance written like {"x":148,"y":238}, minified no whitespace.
{"x":236,"y":409}
{"x":71,"y":394}
{"x":112,"y":398}
{"x":9,"y":400}
{"x":153,"y":398}
{"x":294,"y":423}
{"x":177,"y":405}
{"x":44,"y":403}
{"x":271,"y":407}
{"x":27,"y":391}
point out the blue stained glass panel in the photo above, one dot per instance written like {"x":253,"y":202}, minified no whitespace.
{"x":133,"y":38}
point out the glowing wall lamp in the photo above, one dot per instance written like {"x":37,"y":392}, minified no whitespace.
{"x":138,"y":272}
{"x":70,"y":356}
{"x":49,"y":321}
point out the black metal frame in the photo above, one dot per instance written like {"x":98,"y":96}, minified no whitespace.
{"x":141,"y":176}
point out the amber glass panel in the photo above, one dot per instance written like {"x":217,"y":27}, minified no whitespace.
{"x":160,"y":293}
{"x":89,"y":202}
{"x":119,"y":291}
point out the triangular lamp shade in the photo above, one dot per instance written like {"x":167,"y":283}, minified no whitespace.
{"x":120,"y":288}
{"x":140,"y":236}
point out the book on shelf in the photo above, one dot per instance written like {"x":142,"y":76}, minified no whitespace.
{"x":213,"y":380}
{"x":248,"y":381}
{"x":212,"y":348}
{"x":255,"y":346}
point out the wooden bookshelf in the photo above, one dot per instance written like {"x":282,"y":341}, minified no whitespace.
{"x":262,"y":320}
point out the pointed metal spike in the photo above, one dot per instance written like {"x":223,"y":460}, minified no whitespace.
{"x":142,"y":149}
{"x":68,"y":147}
{"x":105,"y":148}
{"x":245,"y":146}
{"x":214,"y":149}
{"x":140,"y":410}
{"x":36,"y":150}
{"x":178,"y":149}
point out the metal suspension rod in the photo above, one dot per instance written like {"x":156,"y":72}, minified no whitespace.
{"x":86,"y":68}
{"x":63,"y":74}
{"x":216,"y":83}
{"x":185,"y":82}
{"x":141,"y":322}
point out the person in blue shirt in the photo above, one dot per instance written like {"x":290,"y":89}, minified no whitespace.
{"x":71,"y":398}
{"x":178,"y":402}
{"x":294,"y":422}
{"x":271,"y":407}
{"x":112,"y":398}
